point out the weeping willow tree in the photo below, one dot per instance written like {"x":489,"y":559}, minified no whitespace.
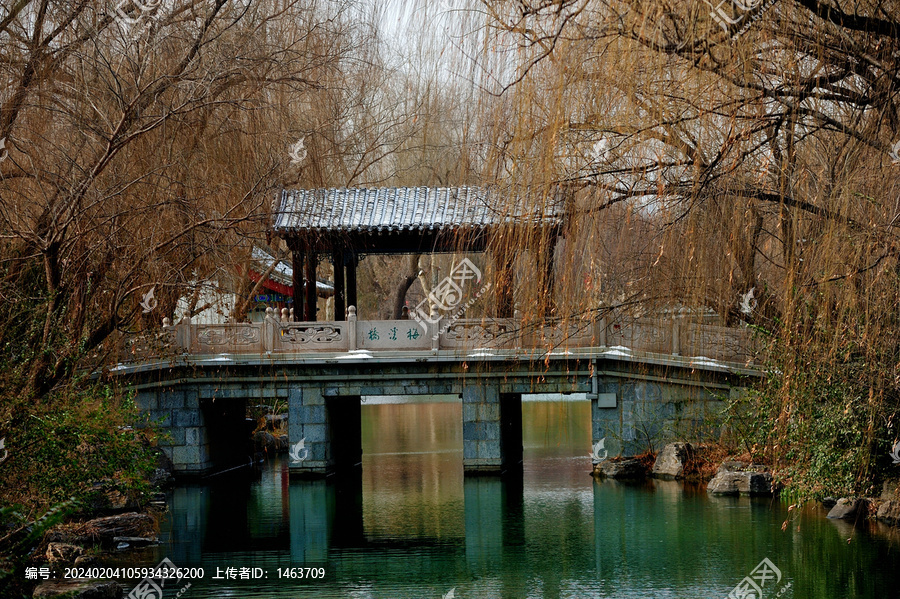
{"x":142,"y":144}
{"x":736,"y":159}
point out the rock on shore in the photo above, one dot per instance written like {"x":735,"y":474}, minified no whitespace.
{"x":889,"y":512}
{"x":621,"y":469}
{"x":104,"y":530}
{"x":79,"y":588}
{"x":740,"y":478}
{"x":63,"y":553}
{"x":671,"y":461}
{"x":845,"y":509}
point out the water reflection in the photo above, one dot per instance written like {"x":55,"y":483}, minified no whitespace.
{"x":412,"y":471}
{"x":323,"y":514}
{"x":411,"y":525}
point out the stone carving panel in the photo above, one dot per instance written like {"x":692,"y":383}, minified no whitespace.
{"x":471,"y":334}
{"x":619,"y":333}
{"x":306,"y":335}
{"x":574,"y":334}
{"x":228,"y":335}
{"x":652,"y":336}
{"x":150,"y":345}
{"x":719,"y":343}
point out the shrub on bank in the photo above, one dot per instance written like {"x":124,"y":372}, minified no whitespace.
{"x":823,"y":417}
{"x":63,"y":445}
{"x":66,"y":454}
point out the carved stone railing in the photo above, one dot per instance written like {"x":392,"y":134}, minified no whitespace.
{"x":159,"y":344}
{"x":475,"y":334}
{"x":225,"y":338}
{"x":309,"y":336}
{"x":278,"y":334}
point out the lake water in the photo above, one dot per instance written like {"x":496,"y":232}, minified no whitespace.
{"x":414,"y":527}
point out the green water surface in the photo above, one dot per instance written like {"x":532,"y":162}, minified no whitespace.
{"x":412,"y":526}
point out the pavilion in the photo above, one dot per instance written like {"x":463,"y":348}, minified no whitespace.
{"x":347,"y":223}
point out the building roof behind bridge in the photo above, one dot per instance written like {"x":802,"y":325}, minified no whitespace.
{"x":399,"y":209}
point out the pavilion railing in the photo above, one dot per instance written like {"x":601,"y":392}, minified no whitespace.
{"x":277,"y":334}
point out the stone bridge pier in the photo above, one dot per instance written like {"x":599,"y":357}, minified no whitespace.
{"x":203,"y":426}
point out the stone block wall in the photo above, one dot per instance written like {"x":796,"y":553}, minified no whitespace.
{"x":308,"y":422}
{"x":201,"y":412}
{"x":176,"y":411}
{"x":649,"y":413}
{"x":492,"y":428}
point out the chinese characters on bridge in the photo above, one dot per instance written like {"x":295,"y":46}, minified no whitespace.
{"x":393,"y":333}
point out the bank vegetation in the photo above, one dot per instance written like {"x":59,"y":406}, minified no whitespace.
{"x":742,"y":162}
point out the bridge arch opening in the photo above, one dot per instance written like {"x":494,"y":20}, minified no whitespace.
{"x":479,"y":425}
{"x":331,"y":427}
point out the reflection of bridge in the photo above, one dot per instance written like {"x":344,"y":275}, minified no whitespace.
{"x":494,"y":532}
{"x":645,"y":379}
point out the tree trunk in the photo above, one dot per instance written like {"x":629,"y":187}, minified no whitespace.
{"x":412,"y":273}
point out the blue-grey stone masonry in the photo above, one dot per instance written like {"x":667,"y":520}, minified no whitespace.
{"x":636,"y":404}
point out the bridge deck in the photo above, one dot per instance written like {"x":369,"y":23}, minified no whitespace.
{"x":609,"y":355}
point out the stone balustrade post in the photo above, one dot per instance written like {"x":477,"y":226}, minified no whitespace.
{"x":167,"y":326}
{"x":676,"y":337}
{"x":285,"y":315}
{"x":601,"y":333}
{"x":434,"y":328}
{"x":270,"y":329}
{"x":184,"y":334}
{"x":351,"y":328}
